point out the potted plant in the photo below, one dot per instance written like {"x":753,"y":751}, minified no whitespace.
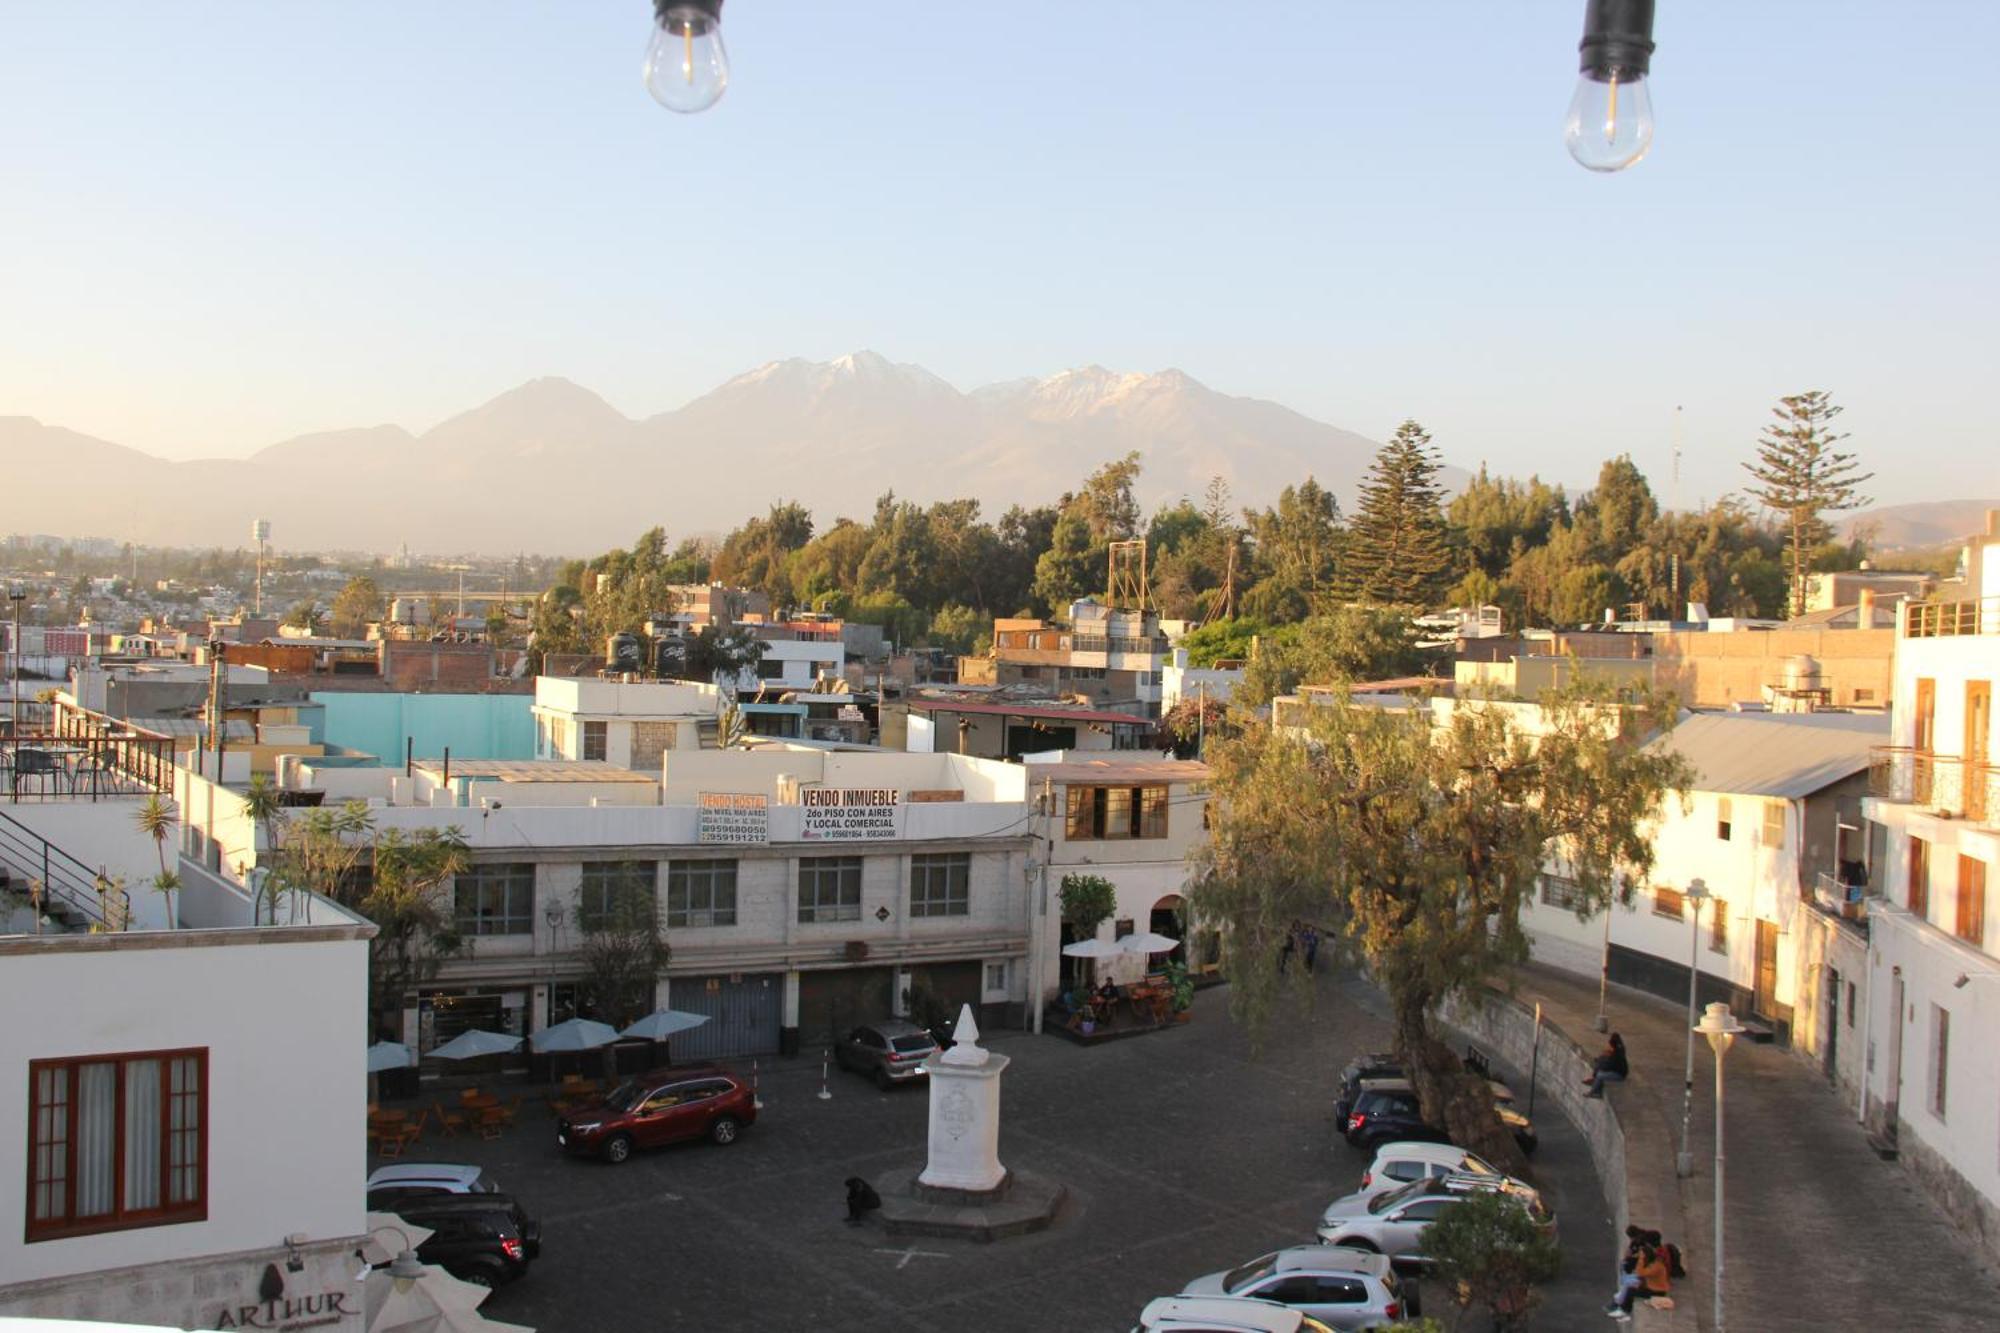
{"x":1182,"y":985}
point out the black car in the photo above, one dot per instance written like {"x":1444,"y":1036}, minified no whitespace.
{"x":1376,"y":1064}
{"x":1386,"y":1110}
{"x":487,"y":1239}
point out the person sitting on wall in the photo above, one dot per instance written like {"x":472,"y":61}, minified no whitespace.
{"x":1612,"y":1067}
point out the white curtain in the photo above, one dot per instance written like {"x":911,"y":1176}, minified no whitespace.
{"x":184,"y":1152}
{"x":96,"y":1139}
{"x":142,"y":1135}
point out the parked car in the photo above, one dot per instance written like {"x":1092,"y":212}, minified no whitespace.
{"x":1387,"y":1109}
{"x":487,"y":1239}
{"x":1385,"y":1064}
{"x":1223,"y":1314}
{"x":668,"y":1106}
{"x":1343,"y":1288}
{"x":1393,"y":1222}
{"x":892,"y":1052}
{"x":1401,"y":1161}
{"x":389,"y":1186}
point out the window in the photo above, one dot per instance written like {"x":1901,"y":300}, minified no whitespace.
{"x":996,"y":976}
{"x":1774,"y":824}
{"x":1718,"y":926}
{"x":701,"y":893}
{"x":558,"y":738}
{"x":1862,"y":696}
{"x":1920,"y":877}
{"x":603,"y":881}
{"x":1940,"y":1057}
{"x":1116,"y":812}
{"x":1669,"y":902}
{"x":830,"y":888}
{"x":1972,"y":901}
{"x":1722,"y":818}
{"x":770,"y":668}
{"x":117,"y":1142}
{"x":1850,"y":1004}
{"x":593,"y":739}
{"x":939,"y":884}
{"x":495,"y":900}
{"x":1561,"y":891}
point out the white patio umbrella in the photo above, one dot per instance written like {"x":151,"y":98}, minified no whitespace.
{"x":1147,"y":942}
{"x":664,"y":1023}
{"x":390,"y":1055}
{"x":475,"y":1042}
{"x":575,"y":1034}
{"x":1092,"y":948}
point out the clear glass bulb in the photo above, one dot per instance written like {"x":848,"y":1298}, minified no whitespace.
{"x":686,"y":66}
{"x":1610,"y":123}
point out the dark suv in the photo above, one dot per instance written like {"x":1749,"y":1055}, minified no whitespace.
{"x":1386,"y":1109}
{"x":667,"y":1106}
{"x":1375,"y":1064}
{"x":485,"y":1239}
{"x":892,"y":1052}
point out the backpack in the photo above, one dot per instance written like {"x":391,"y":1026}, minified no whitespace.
{"x":1674,"y":1266}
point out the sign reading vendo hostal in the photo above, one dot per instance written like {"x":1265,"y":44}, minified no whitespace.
{"x":851,"y":814}
{"x":733,"y":818}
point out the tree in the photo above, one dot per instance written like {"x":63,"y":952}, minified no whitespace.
{"x":358,"y":603}
{"x":1490,"y":1252}
{"x":156,"y":820}
{"x":623,"y":950}
{"x":415,"y":927}
{"x":1087,"y":902}
{"x":1105,"y":511}
{"x":304,"y":615}
{"x":1398,"y":549}
{"x":1802,"y":476}
{"x":1413,"y":844}
{"x":1347,"y":643}
{"x":958,"y":628}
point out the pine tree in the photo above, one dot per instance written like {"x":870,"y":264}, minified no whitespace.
{"x":1398,"y":549}
{"x":1802,"y":477}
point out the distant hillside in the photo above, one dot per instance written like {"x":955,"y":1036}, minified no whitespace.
{"x":551,"y":467}
{"x":1921,"y":526}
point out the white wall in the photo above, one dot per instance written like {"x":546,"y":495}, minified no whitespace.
{"x":285,"y":1028}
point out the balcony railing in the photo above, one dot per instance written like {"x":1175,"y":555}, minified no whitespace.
{"x":1938,"y":620}
{"x":1849,"y":902}
{"x":1941,"y":782}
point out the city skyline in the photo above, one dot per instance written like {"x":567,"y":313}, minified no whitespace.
{"x":232,"y":226}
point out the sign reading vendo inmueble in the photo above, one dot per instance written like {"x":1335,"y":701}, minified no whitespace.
{"x":851,"y":814}
{"x":733,"y":817}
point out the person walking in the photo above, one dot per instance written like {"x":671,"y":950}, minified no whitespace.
{"x":1310,"y":935}
{"x":1611,"y":1067}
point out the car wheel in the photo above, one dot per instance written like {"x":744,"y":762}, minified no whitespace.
{"x":724,"y":1130}
{"x":617,"y":1148}
{"x":882,"y":1080}
{"x":1358,"y":1243}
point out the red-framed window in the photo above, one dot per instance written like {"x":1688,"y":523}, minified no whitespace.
{"x":117,"y":1141}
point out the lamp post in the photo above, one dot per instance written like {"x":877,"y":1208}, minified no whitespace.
{"x":1697,"y":893}
{"x":17,"y":596}
{"x":1603,"y":1019}
{"x":1720,"y":1027}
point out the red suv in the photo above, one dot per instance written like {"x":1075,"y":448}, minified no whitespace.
{"x":662,"y":1107}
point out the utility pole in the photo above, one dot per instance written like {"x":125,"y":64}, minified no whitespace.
{"x":217,"y":676}
{"x":17,"y":596}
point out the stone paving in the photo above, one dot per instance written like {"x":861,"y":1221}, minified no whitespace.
{"x":1184,"y":1152}
{"x":1820,"y":1232}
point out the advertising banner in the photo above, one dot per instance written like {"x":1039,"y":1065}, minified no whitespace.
{"x":734,"y":818}
{"x":851,"y":814}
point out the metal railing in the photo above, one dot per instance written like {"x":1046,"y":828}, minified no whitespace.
{"x":1835,"y":897}
{"x":1941,"y":782}
{"x":58,"y":766}
{"x":1938,"y":620}
{"x":58,"y":886}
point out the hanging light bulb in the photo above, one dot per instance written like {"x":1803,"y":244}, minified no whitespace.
{"x":686,"y":67}
{"x":1610,"y":124}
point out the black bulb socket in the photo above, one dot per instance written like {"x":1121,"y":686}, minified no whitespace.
{"x":1617,"y":39}
{"x":680,"y":17}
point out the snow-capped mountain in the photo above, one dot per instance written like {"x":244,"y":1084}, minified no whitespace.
{"x":550,"y":466}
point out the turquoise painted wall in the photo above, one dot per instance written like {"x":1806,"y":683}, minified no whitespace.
{"x":475,"y":726}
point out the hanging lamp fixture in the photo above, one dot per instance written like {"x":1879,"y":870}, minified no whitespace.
{"x":1610,"y":123}
{"x":687,"y":68}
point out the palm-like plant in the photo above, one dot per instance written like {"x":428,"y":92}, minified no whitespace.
{"x":156,"y":820}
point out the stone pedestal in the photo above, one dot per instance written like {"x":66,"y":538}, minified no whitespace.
{"x":965,"y":1116}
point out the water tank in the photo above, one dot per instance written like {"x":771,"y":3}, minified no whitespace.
{"x":621,"y":652}
{"x":1801,"y":672}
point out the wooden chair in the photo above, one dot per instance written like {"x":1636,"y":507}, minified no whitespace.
{"x":510,"y":1111}
{"x":388,"y":1140}
{"x":449,"y":1122}
{"x":491,"y":1122}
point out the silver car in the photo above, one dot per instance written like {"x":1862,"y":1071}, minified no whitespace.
{"x":892,"y":1052}
{"x":1393,"y":1222}
{"x":1345,"y":1289}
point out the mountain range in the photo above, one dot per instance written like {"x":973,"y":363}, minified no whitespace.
{"x":550,"y":467}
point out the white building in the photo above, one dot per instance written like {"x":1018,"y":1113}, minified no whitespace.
{"x":1933,"y":982}
{"x":179,"y":1112}
{"x":631,"y":724}
{"x":1180,"y":681}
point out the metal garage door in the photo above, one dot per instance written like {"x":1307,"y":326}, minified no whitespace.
{"x":743,"y":1011}
{"x":833,"y":1001}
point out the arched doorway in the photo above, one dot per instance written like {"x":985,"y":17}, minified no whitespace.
{"x":1168,"y":918}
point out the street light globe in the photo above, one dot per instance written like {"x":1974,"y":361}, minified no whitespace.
{"x":1719,"y":1026}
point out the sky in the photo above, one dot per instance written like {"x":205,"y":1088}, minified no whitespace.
{"x":223,"y":224}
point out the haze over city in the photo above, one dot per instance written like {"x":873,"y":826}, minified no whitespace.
{"x":233,"y":224}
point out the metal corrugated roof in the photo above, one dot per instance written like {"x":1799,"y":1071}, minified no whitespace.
{"x":1039,"y":712}
{"x":1787,"y":755}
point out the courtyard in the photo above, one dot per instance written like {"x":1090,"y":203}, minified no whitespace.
{"x":1184,"y":1152}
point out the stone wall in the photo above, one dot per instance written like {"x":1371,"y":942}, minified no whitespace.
{"x":251,"y":1289}
{"x":1505,"y":1028}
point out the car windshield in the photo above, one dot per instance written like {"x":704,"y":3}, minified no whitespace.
{"x":1388,"y":1199}
{"x":1236,"y":1279}
{"x":1479,"y":1166}
{"x":918,"y":1042}
{"x":625,"y":1096}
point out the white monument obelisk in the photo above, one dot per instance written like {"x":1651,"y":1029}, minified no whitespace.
{"x":965,"y":1113}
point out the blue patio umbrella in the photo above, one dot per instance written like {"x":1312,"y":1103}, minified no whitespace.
{"x":664,"y":1023}
{"x":389,"y":1055}
{"x":475,"y":1042}
{"x":574,"y":1034}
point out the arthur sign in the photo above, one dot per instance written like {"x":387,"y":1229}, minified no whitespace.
{"x":733,"y":817}
{"x":850,"y":814}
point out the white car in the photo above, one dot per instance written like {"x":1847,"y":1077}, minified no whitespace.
{"x":1405,"y":1160}
{"x":1394,"y":1221}
{"x":1345,"y":1289}
{"x":390,"y":1185}
{"x":1223,"y":1314}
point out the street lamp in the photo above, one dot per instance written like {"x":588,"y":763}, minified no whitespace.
{"x":1720,"y":1027}
{"x":405,"y":1268}
{"x":1697,"y":893}
{"x":17,"y":596}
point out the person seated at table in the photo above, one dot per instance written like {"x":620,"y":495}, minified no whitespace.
{"x":1108,"y":992}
